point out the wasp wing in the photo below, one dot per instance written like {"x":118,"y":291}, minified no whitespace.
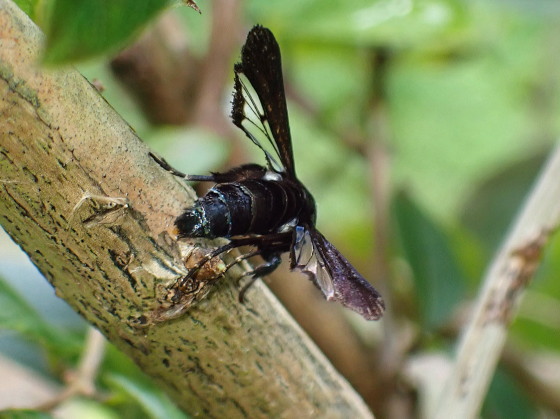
{"x":331,"y":272}
{"x":261,"y":66}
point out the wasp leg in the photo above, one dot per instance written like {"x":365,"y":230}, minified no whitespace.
{"x":266,"y":268}
{"x":241,"y":258}
{"x":167,"y":167}
{"x":262,"y":244}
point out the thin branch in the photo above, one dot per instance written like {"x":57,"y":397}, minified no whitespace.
{"x":60,"y":141}
{"x":509,"y":274}
{"x":160,"y":72}
{"x":82,"y":380}
{"x":392,"y":352}
{"x":537,"y":374}
{"x":215,"y":71}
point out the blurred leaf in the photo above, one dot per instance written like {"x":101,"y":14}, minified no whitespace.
{"x":348,"y":69}
{"x":506,"y":400}
{"x":393,"y":23}
{"x":78,"y":30}
{"x":470,"y":253}
{"x":156,"y":404}
{"x":18,"y":315}
{"x":491,"y":208}
{"x":28,"y":6}
{"x":84,"y":408}
{"x":24,"y":414}
{"x":439,"y":281}
{"x":546,"y":280}
{"x":536,"y":333}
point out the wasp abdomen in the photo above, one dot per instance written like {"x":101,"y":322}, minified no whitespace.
{"x":254,"y":206}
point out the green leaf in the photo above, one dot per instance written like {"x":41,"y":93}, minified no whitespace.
{"x":506,"y":399}
{"x":24,"y":414}
{"x":365,"y":22}
{"x":28,"y":6}
{"x":156,"y":404}
{"x":18,"y":315}
{"x":77,"y":30}
{"x":491,"y":208}
{"x":439,"y":280}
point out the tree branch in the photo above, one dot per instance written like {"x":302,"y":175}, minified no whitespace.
{"x":112,"y":259}
{"x":509,"y":274}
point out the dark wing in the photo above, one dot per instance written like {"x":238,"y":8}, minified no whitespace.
{"x":339,"y":281}
{"x":262,"y":67}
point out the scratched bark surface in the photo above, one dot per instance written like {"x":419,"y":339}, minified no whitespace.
{"x":112,"y":259}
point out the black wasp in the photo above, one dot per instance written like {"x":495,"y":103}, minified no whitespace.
{"x":268,"y":208}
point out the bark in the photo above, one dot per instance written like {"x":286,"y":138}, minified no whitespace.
{"x":81,"y":196}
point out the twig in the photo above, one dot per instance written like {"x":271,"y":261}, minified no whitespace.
{"x":536,"y":374}
{"x":82,"y":380}
{"x":215,"y":72}
{"x":510,"y":272}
